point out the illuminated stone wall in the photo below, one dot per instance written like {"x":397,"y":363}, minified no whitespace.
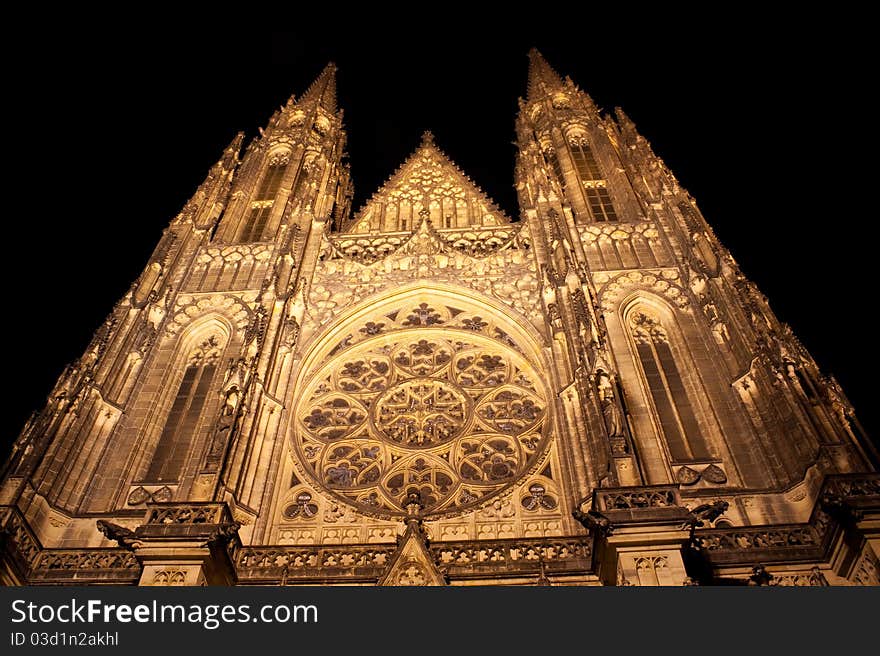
{"x":334,"y":376}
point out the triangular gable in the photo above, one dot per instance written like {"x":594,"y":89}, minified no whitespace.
{"x":412,"y":564}
{"x":427,"y":178}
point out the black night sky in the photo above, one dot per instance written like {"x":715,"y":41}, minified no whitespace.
{"x":111,"y":135}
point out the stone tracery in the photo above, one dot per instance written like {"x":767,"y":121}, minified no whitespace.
{"x":456,"y":416}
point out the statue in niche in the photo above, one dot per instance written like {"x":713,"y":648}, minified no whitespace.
{"x":235,"y":383}
{"x":835,"y":397}
{"x":291,"y":332}
{"x":610,"y":410}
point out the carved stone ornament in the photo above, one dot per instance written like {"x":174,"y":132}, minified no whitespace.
{"x":714,"y":474}
{"x":707,"y":513}
{"x":124,"y":537}
{"x":192,"y":306}
{"x":141,"y":495}
{"x":138,"y":496}
{"x":413,"y":564}
{"x":163,"y":494}
{"x":687,"y":476}
{"x":302,"y":507}
{"x":458,"y":421}
{"x":664,"y":282}
{"x":427,"y":179}
{"x":538,"y":499}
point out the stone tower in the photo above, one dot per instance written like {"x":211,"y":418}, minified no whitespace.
{"x":427,"y":391}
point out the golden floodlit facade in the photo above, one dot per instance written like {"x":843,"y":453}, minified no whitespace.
{"x":429,"y":392}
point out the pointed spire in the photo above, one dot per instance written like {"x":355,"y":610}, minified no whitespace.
{"x":230,"y":155}
{"x":323,"y":89}
{"x":541,"y":75}
{"x":226,"y":164}
{"x":623,"y":120}
{"x":427,"y":138}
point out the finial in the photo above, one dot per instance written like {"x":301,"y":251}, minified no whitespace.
{"x":234,"y":146}
{"x":542,"y":77}
{"x":414,"y":507}
{"x":414,"y":503}
{"x":427,"y":138}
{"x":323,"y":89}
{"x":542,"y":579}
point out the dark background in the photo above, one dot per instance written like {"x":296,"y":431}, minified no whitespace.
{"x":108,"y":136}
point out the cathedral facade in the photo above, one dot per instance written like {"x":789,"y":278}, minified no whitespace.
{"x":429,"y":392}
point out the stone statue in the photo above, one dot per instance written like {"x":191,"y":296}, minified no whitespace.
{"x":233,"y":395}
{"x":613,"y":420}
{"x":124,"y":537}
{"x":610,"y":409}
{"x":836,"y":399}
{"x":708,"y":512}
{"x":760,"y":576}
{"x":291,"y":332}
{"x":223,"y":533}
{"x":817,"y":578}
{"x":592,"y":520}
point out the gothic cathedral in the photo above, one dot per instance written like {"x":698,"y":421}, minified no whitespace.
{"x":426,"y":391}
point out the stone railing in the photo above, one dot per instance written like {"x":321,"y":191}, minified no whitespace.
{"x":190,"y":513}
{"x":294,"y":563}
{"x":843,"y":503}
{"x":799,"y":535}
{"x":85,"y":567}
{"x":19,"y":545}
{"x":366,"y":563}
{"x":841,"y":496}
{"x":855,"y":490}
{"x":814,"y":579}
{"x":511,"y":557}
{"x":608,"y":507}
{"x":628,"y":498}
{"x":208,"y":520}
{"x":35,"y":565}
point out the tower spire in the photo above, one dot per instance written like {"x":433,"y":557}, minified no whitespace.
{"x":323,"y":90}
{"x":230,"y":155}
{"x":541,"y":75}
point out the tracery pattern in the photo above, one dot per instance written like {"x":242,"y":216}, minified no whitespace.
{"x":455,"y":416}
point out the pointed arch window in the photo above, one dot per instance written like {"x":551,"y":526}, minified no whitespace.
{"x":264,"y":199}
{"x":594,"y":183}
{"x":557,"y":167}
{"x":584,"y":162}
{"x":663,"y":377}
{"x":600,"y":201}
{"x":172,"y":451}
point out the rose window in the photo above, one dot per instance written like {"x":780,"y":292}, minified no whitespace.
{"x":421,"y":412}
{"x":457,"y":418}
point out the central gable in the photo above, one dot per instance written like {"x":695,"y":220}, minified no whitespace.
{"x":427,"y":180}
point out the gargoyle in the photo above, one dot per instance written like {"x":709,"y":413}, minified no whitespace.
{"x":593,"y":521}
{"x":760,"y":576}
{"x":223,"y":533}
{"x":124,"y":537}
{"x":709,"y":512}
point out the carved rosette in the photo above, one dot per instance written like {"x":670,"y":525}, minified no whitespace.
{"x":456,"y":417}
